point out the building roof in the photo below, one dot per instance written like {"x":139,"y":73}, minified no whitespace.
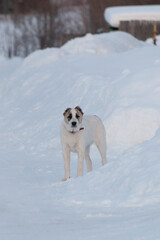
{"x":113,"y":15}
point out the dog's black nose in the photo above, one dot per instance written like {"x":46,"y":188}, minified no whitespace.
{"x":74,"y":124}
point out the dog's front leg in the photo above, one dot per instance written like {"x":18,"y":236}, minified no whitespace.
{"x":80,"y":163}
{"x":66,"y":156}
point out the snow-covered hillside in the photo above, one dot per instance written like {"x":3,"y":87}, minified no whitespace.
{"x":113,"y":76}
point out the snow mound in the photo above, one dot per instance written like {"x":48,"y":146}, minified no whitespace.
{"x":134,"y":117}
{"x":117,"y":87}
{"x":113,"y":15}
{"x":127,"y":181}
{"x":122,"y":89}
{"x":105,"y":43}
{"x":102,"y":43}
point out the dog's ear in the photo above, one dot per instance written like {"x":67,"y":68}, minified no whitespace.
{"x":79,"y":109}
{"x":66,"y":111}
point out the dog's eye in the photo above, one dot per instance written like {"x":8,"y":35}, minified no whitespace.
{"x":77,"y":116}
{"x":69,"y":117}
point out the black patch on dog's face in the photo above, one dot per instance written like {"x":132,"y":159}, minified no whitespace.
{"x":77,"y":116}
{"x":69,"y":117}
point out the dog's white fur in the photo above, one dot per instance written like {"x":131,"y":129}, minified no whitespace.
{"x":87,"y":130}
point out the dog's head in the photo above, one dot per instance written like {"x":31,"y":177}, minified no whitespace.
{"x":73,"y":119}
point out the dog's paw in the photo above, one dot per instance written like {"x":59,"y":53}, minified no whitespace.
{"x":65,"y":179}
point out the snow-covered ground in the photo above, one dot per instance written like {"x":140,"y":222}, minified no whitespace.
{"x":113,"y":15}
{"x":113,"y":76}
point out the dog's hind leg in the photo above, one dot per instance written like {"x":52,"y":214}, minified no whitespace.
{"x":88,"y":160}
{"x":80,"y":163}
{"x":100,"y":142}
{"x":102,"y":150}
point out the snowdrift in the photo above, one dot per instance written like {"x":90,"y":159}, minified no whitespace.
{"x":129,"y":180}
{"x":112,"y":75}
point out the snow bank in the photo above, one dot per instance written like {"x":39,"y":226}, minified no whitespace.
{"x":127,"y":181}
{"x":120,"y":89}
{"x":135,"y":117}
{"x":93,"y":44}
{"x":102,"y":43}
{"x":40,"y":85}
{"x":113,"y":76}
{"x":113,"y":15}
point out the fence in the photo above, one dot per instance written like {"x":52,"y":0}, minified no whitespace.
{"x":139,"y":29}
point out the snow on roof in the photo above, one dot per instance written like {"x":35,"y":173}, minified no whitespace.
{"x":113,"y":15}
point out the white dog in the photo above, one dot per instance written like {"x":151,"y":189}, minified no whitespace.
{"x":78,"y":133}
